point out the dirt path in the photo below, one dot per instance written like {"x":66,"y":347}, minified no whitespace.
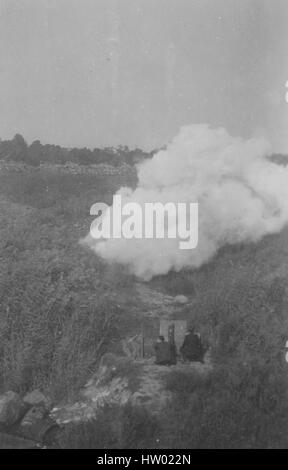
{"x":151,"y":391}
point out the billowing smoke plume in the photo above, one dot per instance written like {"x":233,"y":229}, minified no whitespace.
{"x":241,"y":195}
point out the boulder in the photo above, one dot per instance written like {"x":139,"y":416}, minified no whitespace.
{"x":34,"y":415}
{"x":35,"y":398}
{"x":39,"y":429}
{"x":11,"y":408}
{"x":181,"y":299}
{"x":36,"y":424}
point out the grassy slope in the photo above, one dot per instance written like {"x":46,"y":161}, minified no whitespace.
{"x":44,"y":216}
{"x":57,"y":302}
{"x":54,"y":295}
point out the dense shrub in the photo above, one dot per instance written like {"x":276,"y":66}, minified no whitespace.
{"x":17,"y":150}
{"x":115,"y":427}
{"x":57,"y":315}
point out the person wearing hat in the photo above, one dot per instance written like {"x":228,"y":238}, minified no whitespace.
{"x":192,"y":349}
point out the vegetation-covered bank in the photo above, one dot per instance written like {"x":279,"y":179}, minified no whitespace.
{"x":62,"y":308}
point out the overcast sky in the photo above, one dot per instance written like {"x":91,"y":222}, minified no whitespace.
{"x":107,"y":72}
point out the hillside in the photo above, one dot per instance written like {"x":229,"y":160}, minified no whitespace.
{"x":62,"y":309}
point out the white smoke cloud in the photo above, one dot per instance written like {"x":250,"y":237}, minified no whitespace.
{"x":242,"y":196}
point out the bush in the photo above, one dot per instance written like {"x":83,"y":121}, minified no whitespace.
{"x":115,"y":427}
{"x":241,"y":410}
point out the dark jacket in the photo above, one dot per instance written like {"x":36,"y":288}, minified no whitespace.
{"x":191,"y":348}
{"x":163,"y":353}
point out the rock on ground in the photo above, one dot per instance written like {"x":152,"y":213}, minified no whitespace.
{"x":37,"y":398}
{"x":181,"y":299}
{"x":11,"y":408}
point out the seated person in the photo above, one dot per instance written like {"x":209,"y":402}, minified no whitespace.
{"x":163,"y":352}
{"x":192,"y":349}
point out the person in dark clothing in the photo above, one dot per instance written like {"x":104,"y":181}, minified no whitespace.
{"x":163,"y":352}
{"x":192,"y":349}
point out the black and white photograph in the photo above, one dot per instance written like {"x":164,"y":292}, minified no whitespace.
{"x":143,"y":227}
